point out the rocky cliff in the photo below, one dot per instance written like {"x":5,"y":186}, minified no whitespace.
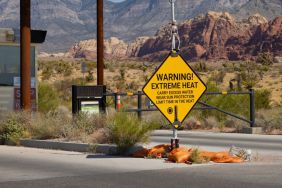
{"x":216,"y":35}
{"x":70,"y":21}
{"x":219,"y":36}
{"x":114,"y":48}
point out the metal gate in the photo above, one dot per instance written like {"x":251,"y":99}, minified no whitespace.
{"x":203,"y":105}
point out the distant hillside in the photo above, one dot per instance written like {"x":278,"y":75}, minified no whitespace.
{"x":216,"y":35}
{"x":69,"y":21}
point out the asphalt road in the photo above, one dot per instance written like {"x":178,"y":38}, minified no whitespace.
{"x":37,"y":168}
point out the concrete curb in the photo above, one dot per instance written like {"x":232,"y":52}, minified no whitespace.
{"x":108,"y":149}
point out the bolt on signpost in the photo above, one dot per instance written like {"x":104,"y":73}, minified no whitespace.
{"x":174,"y":88}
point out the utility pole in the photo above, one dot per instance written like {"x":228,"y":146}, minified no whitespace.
{"x":100,"y":43}
{"x":25,"y":55}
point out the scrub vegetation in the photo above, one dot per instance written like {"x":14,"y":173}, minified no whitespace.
{"x":55,"y":121}
{"x":122,"y":129}
{"x":263,"y":74}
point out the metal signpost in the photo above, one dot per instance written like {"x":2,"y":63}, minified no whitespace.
{"x":174,"y":88}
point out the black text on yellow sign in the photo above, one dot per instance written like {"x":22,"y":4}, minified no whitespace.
{"x":174,"y":84}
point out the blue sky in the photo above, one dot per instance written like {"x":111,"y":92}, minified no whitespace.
{"x":117,"y":0}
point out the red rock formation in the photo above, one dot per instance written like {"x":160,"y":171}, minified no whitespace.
{"x":219,"y":36}
{"x":211,"y":36}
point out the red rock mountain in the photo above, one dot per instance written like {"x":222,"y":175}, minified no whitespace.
{"x":215,"y":35}
{"x":219,"y":36}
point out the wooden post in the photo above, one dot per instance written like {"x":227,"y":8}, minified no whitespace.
{"x":25,"y":55}
{"x":100,"y":43}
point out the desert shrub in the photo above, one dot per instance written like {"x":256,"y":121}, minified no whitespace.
{"x":191,"y":123}
{"x":250,"y":73}
{"x":48,"y":98}
{"x":235,"y":124}
{"x":111,"y":69}
{"x":51,"y":68}
{"x":132,"y":86}
{"x":91,"y":65}
{"x":270,"y":119}
{"x":218,"y":76}
{"x":63,"y":89}
{"x":210,"y":123}
{"x":238,"y":104}
{"x":262,"y":99}
{"x":126,"y":130}
{"x":12,"y":127}
{"x":121,"y":86}
{"x":47,"y":126}
{"x":122,"y":73}
{"x":61,"y":67}
{"x":50,"y":125}
{"x":200,"y":66}
{"x":265,"y":58}
{"x":47,"y":73}
{"x":160,"y":121}
{"x":89,"y":123}
{"x":89,"y":77}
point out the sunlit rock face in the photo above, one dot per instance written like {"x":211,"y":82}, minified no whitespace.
{"x":218,"y":35}
{"x":70,"y":21}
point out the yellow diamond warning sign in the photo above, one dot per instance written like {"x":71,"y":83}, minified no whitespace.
{"x":174,"y":88}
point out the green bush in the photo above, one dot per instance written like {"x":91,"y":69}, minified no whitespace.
{"x":262,"y":99}
{"x":237,"y":104}
{"x":126,"y":130}
{"x":48,"y":98}
{"x":11,"y":129}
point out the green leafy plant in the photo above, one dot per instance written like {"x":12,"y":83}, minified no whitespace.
{"x":48,"y":98}
{"x":126,"y":130}
{"x":11,"y":129}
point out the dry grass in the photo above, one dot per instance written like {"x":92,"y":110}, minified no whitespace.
{"x":137,"y":72}
{"x":270,"y":120}
{"x":59,"y":124}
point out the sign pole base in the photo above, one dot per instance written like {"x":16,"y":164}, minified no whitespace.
{"x":174,"y":142}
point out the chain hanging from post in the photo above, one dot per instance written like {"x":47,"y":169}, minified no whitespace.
{"x":174,"y":29}
{"x":174,"y":142}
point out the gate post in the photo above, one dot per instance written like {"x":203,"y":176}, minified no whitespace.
{"x":139,"y":104}
{"x":252,"y":108}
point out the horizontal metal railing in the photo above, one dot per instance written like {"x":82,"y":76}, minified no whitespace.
{"x":204,"y":106}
